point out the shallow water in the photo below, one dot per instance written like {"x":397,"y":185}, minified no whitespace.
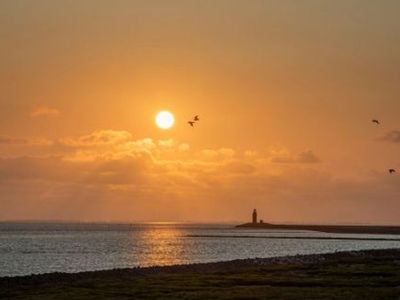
{"x":43,"y":248}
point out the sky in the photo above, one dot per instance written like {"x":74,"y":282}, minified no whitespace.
{"x":285,"y":89}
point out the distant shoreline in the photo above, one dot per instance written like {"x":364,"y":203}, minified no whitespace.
{"x":355,"y":229}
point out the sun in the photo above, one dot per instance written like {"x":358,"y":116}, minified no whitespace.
{"x":165,"y":120}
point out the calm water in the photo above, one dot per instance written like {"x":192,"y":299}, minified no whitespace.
{"x":43,"y":248}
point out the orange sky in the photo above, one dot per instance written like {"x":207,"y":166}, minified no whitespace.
{"x":286,"y":91}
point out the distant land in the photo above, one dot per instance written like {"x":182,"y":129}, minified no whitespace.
{"x":366,"y":229}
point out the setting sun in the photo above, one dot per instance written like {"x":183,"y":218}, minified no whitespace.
{"x":165,"y":120}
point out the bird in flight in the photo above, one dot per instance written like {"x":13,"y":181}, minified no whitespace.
{"x":391,"y":171}
{"x":376,"y":121}
{"x":195,"y":119}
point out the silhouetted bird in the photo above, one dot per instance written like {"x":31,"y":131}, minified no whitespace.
{"x":391,"y":171}
{"x":191,"y":123}
{"x":376,"y":121}
{"x":196,"y":118}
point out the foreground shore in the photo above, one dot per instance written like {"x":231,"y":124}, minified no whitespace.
{"x":371,"y":274}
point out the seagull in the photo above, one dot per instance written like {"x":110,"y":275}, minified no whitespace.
{"x":196,"y":118}
{"x":392,"y":171}
{"x":376,"y":121}
{"x":191,"y":123}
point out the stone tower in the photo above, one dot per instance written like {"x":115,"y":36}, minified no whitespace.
{"x":254,"y":216}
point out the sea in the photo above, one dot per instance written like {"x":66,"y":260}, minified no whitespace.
{"x":37,"y":248}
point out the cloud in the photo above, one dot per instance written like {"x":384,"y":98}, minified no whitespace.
{"x":216,"y":154}
{"x":283,"y":159}
{"x":184,"y":147}
{"x":36,"y":141}
{"x":250,"y":153}
{"x":392,"y":137}
{"x":4,"y":140}
{"x":116,"y":144}
{"x":44,"y":111}
{"x":239,"y":167}
{"x":110,"y":175}
{"x":305,"y":157}
{"x":98,"y":138}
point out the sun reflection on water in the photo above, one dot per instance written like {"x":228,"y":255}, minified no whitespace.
{"x":160,"y":244}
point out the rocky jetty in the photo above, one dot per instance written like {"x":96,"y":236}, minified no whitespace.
{"x":355,"y":229}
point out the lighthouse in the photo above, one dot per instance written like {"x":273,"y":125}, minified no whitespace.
{"x":254,"y":216}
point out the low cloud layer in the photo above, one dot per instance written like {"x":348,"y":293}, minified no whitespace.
{"x":305,"y":157}
{"x":5,"y":140}
{"x":44,"y":111}
{"x":110,"y":175}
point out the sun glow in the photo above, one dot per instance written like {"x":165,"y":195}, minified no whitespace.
{"x":165,"y":120}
